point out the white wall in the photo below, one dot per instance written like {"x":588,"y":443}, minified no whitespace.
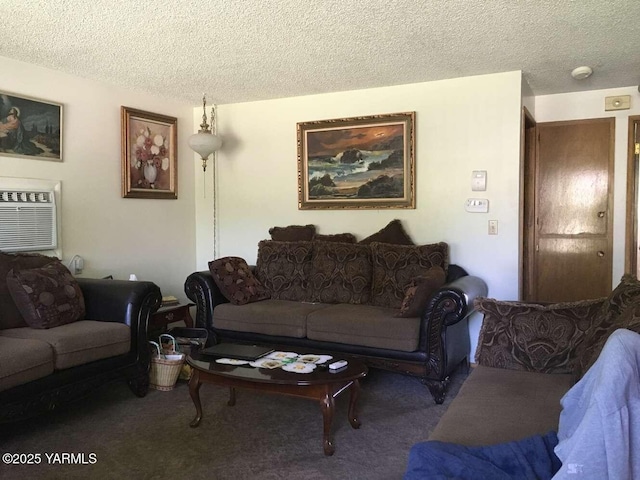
{"x":583,"y":105}
{"x":116,"y":236}
{"x":462,"y":125}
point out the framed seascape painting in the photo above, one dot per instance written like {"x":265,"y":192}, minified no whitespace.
{"x":360,"y":162}
{"x":30,"y":128}
{"x":149,"y":155}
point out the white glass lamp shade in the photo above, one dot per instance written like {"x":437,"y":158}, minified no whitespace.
{"x":204,"y":143}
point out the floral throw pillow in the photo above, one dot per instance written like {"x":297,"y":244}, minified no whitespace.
{"x":283,"y":268}
{"x":625,"y":294}
{"x":395,"y":266}
{"x":629,"y":319}
{"x":236,"y":281}
{"x":420,"y":291}
{"x":10,"y":316}
{"x":48,"y":296}
{"x":340,"y":273}
{"x":534,"y":337}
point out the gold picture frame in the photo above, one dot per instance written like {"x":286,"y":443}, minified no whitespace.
{"x":149,"y":155}
{"x":358,"y":162}
{"x":30,"y":128}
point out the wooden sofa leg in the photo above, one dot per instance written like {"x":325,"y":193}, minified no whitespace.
{"x":438,"y":389}
{"x":139,"y":381}
{"x":466,"y":365}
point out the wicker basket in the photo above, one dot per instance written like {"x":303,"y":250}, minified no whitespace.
{"x":188,"y":340}
{"x":165,"y":368}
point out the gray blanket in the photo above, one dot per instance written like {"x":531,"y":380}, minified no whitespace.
{"x":599,"y":431}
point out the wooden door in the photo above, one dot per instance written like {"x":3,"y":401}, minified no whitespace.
{"x":528,"y":137}
{"x":573,"y":238}
{"x":632,"y":250}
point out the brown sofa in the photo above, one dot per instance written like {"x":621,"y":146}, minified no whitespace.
{"x":528,"y":357}
{"x":43,"y":364}
{"x":347,"y":297}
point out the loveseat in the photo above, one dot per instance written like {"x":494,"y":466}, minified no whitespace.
{"x":346,"y":297}
{"x":47,"y":357}
{"x":529,"y":355}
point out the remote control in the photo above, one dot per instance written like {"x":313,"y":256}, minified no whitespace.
{"x":337,"y":365}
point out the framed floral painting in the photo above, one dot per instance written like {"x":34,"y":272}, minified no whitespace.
{"x":149,"y":155}
{"x":359,"y":162}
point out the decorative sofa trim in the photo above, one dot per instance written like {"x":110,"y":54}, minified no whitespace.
{"x":443,"y":339}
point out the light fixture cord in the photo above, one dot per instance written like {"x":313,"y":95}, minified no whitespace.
{"x":215,"y":207}
{"x":215,"y":187}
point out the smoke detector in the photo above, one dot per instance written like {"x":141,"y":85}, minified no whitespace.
{"x":580,"y":73}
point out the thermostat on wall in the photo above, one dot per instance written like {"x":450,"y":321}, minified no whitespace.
{"x":476,"y":205}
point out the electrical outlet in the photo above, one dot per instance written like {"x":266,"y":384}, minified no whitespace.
{"x":493,"y":227}
{"x":78,"y":264}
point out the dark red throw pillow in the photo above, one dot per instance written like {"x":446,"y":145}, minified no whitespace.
{"x":48,"y":296}
{"x":420,"y":291}
{"x":236,"y":281}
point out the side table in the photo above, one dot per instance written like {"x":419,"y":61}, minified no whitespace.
{"x":170,"y":314}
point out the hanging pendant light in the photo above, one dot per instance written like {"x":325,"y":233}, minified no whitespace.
{"x":205,"y":142}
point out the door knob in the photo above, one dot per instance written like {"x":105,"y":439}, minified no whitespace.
{"x":600,"y":253}
{"x":600,"y":214}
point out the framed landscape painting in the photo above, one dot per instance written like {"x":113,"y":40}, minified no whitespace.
{"x":30,"y":128}
{"x":149,"y":155}
{"x":360,"y":162}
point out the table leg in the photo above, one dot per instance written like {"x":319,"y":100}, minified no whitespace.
{"x":353,"y":399}
{"x":188,"y":321}
{"x":194,"y":391}
{"x":328,"y":408}
{"x":232,"y":397}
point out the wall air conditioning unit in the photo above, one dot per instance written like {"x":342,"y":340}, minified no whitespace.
{"x":28,"y":220}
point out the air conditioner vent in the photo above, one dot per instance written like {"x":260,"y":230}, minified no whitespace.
{"x":26,"y":196}
{"x":27,"y":220}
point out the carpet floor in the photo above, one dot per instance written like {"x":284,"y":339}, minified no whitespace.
{"x":262,"y":437}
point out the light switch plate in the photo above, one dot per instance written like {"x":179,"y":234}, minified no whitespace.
{"x":476,"y":205}
{"x":479,"y":180}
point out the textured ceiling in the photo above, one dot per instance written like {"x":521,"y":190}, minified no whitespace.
{"x":242,"y":50}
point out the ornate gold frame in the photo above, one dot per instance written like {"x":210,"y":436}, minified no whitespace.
{"x":143,"y":152}
{"x":334,"y":155}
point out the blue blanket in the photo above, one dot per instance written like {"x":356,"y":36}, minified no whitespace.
{"x":531,"y":458}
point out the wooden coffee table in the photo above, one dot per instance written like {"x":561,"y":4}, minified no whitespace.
{"x":321,"y":385}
